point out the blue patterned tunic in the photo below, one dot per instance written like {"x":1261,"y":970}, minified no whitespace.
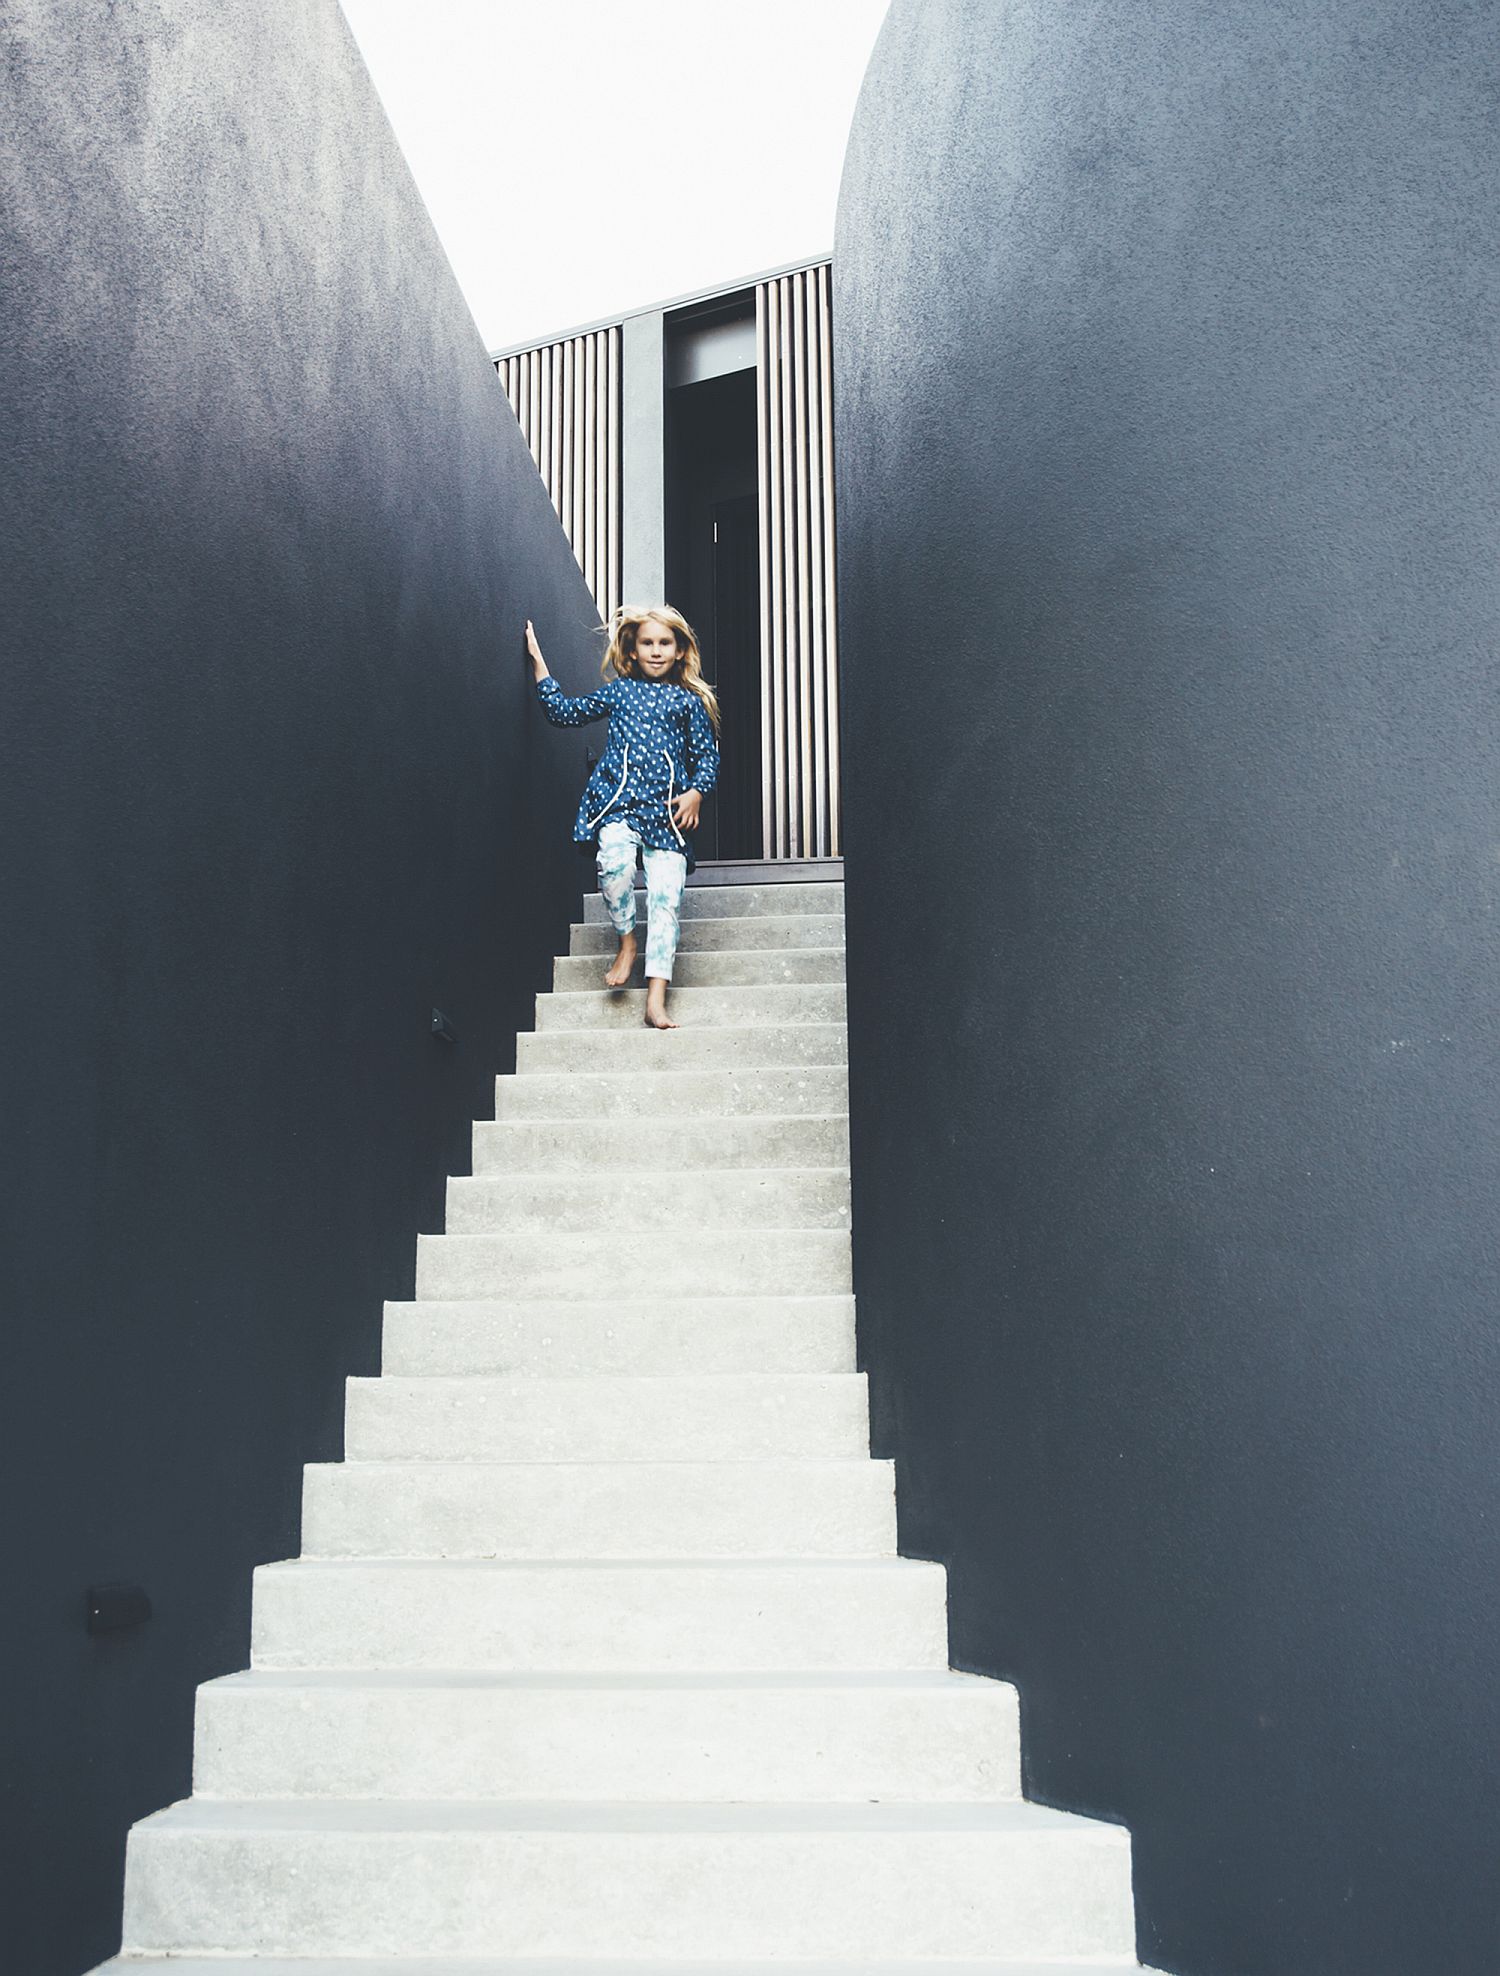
{"x":660,"y":744}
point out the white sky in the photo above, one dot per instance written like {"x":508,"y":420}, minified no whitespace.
{"x":582,"y":158}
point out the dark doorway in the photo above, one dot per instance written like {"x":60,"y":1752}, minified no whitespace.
{"x":713,"y":579}
{"x":736,"y":636}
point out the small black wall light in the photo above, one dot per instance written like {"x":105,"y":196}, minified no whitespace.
{"x":111,"y":1608}
{"x":443,"y":1028}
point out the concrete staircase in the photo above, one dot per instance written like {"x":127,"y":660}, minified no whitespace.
{"x":599,"y":1656}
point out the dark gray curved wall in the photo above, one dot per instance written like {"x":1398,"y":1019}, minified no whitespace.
{"x":272,"y":785}
{"x":1169,"y":457}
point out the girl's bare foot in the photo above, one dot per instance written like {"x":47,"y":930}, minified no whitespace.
{"x":624,"y":961}
{"x":656,"y":1004}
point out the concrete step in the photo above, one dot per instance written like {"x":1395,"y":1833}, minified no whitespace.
{"x":725,"y":1416}
{"x":599,"y":1661}
{"x":599,"y":1509}
{"x":710,"y":1739}
{"x":710,"y":1882}
{"x":650,"y":1335}
{"x":705,"y":936}
{"x":380,"y":1965}
{"x":580,"y":1145}
{"x":698,"y":1008}
{"x":877,"y":1613}
{"x":679,"y":1202}
{"x":789,"y":1262}
{"x":708,"y":1047}
{"x":670,"y":1093}
{"x":767,"y":967}
{"x":741,"y":902}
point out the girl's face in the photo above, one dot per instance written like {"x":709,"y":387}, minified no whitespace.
{"x":655,"y":648}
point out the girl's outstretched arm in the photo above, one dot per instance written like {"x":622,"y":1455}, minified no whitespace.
{"x":559,"y":709}
{"x":539,"y":670}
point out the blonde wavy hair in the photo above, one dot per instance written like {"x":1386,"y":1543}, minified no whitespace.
{"x":619,"y":657}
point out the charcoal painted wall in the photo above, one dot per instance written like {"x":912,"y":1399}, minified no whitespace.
{"x":1169,"y":457}
{"x":272,"y":785}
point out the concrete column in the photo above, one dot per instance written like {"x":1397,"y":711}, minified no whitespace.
{"x":643,"y":535}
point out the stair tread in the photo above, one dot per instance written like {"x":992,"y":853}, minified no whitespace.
{"x":410,"y":1815}
{"x":667,"y":1177}
{"x":803,"y":1465}
{"x":554,"y":1236}
{"x":688,"y":1465}
{"x":532,"y":1381}
{"x":732,"y":991}
{"x":681,"y":1004}
{"x":728,"y":1304}
{"x":726,"y":1075}
{"x":761,"y":1120}
{"x":360,"y":1965}
{"x":826,"y":911}
{"x":889,"y":1565}
{"x":695,"y":1046}
{"x":777,"y":1680}
{"x":726,"y":953}
{"x":663,"y":1037}
{"x":729,"y":953}
{"x":830,"y":911}
{"x":584,"y":965}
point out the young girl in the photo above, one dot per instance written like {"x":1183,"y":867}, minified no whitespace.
{"x":660,"y":760}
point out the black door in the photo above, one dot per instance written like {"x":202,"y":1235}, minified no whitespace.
{"x":713,"y":579}
{"x":735,"y":618}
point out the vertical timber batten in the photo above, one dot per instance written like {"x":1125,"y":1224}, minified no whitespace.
{"x":788,"y":600}
{"x":806,"y":760}
{"x":612,"y":490}
{"x":770,"y":604}
{"x":763,"y":551}
{"x":566,"y":398}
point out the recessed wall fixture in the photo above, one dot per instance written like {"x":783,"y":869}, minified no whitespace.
{"x":112,"y":1608}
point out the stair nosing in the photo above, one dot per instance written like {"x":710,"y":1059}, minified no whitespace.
{"x":813,"y":1819}
{"x":792,"y":1680}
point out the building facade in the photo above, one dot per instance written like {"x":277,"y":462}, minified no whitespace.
{"x":688,"y":450}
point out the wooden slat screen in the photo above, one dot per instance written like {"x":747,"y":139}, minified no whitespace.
{"x":566,"y":396}
{"x":799,"y":627}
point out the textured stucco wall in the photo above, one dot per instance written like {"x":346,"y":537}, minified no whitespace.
{"x":272,"y":784}
{"x":1169,"y":475}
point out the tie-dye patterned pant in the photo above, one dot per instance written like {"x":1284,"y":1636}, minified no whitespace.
{"x":666,"y":874}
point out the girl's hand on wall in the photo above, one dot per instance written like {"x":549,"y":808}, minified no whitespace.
{"x":538,"y":663}
{"x":685,"y":808}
